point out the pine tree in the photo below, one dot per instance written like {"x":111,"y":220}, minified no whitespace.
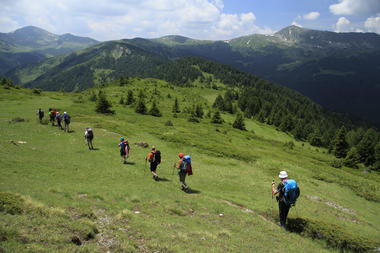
{"x":154,"y":111}
{"x":352,"y":159}
{"x":130,"y":98}
{"x":340,"y":145}
{"x":217,"y":118}
{"x":175,"y":108}
{"x":376,"y":165}
{"x":239,"y":122}
{"x":103,"y":105}
{"x":141,"y":107}
{"x":366,"y":147}
{"x":199,"y":111}
{"x":219,"y":103}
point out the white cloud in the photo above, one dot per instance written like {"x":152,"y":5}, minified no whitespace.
{"x":312,"y":15}
{"x":372,"y":24}
{"x":296,"y":24}
{"x":355,"y":7}
{"x":343,"y":25}
{"x":116,"y":19}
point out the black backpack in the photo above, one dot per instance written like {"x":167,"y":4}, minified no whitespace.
{"x":89,"y":134}
{"x":157,"y":157}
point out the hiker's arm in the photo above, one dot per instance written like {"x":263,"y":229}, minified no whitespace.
{"x":274,"y":191}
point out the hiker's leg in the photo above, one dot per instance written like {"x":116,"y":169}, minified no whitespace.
{"x":283,"y":212}
{"x":182,"y":178}
{"x":92,"y":147}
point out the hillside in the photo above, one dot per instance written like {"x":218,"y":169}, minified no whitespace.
{"x":52,"y":184}
{"x":31,"y":44}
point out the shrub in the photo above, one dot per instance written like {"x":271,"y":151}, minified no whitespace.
{"x":37,"y":91}
{"x":11,"y":203}
{"x":168,"y":123}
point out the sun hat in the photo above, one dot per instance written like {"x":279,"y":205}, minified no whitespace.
{"x":283,"y":174}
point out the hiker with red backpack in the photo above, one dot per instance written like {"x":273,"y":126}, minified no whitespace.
{"x":288,"y":193}
{"x":52,"y":116}
{"x":124,"y":149}
{"x":184,"y":168}
{"x":154,"y":158}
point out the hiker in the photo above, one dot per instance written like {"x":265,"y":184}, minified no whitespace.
{"x":58,"y":118}
{"x":154,"y":158}
{"x":40,"y":114}
{"x":52,"y":116}
{"x":66,"y":120}
{"x":184,"y":168}
{"x":288,"y":193}
{"x":124,"y":149}
{"x":89,"y":135}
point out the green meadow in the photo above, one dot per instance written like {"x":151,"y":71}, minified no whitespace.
{"x":56,"y":195}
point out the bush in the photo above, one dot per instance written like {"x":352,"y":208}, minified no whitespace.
{"x":289,"y":145}
{"x":11,"y":203}
{"x":168,"y":123}
{"x":37,"y":91}
{"x":336,"y":163}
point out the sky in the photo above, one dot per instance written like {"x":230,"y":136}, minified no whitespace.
{"x":199,"y":19}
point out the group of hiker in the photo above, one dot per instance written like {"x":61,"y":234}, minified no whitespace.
{"x":56,"y":116}
{"x":287,"y":190}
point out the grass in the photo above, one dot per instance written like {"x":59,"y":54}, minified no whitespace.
{"x":92,"y":197}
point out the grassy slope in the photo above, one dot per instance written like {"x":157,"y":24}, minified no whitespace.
{"x":232,"y":169}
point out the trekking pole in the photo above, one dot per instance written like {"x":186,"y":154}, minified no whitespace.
{"x":271,"y":208}
{"x":173,"y":169}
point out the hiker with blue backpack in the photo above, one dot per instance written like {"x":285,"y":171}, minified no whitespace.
{"x":124,"y":149}
{"x":184,"y":168}
{"x":288,"y":193}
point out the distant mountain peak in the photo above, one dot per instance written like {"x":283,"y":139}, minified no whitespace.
{"x":175,"y":38}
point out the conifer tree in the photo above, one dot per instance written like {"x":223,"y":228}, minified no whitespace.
{"x":103,"y":105}
{"x":141,"y":107}
{"x":352,"y":159}
{"x":130,"y":98}
{"x":217,"y":118}
{"x":199,"y":111}
{"x":239,"y":122}
{"x":376,"y":165}
{"x":175,"y":108}
{"x":366,"y":147}
{"x":154,"y":111}
{"x":340,"y":145}
{"x":219,"y":103}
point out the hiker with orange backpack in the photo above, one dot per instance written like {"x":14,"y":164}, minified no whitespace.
{"x":154,"y":158}
{"x":124,"y":149}
{"x":184,"y":168}
{"x":288,"y":193}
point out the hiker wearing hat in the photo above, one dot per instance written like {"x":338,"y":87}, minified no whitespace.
{"x":89,"y":135}
{"x":66,"y":120}
{"x":58,"y":118}
{"x":182,"y":167}
{"x":288,"y":193}
{"x":154,"y":158}
{"x":124,"y":149}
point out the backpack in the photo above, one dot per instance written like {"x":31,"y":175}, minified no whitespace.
{"x":66,"y":117}
{"x":89,"y":134}
{"x":187,"y":165}
{"x":157,"y":157}
{"x":41,"y":113}
{"x":291,"y":192}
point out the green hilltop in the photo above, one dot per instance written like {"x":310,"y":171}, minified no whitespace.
{"x":58,"y":196}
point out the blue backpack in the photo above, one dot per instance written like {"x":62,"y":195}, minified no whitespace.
{"x":291,"y":192}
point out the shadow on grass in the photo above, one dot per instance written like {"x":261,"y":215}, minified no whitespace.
{"x":130,"y":163}
{"x":95,"y":149}
{"x":297,"y":225}
{"x":71,"y":131}
{"x":193,"y":191}
{"x":163,"y":179}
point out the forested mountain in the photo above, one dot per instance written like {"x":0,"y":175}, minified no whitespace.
{"x":32,"y":44}
{"x":337,"y":70}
